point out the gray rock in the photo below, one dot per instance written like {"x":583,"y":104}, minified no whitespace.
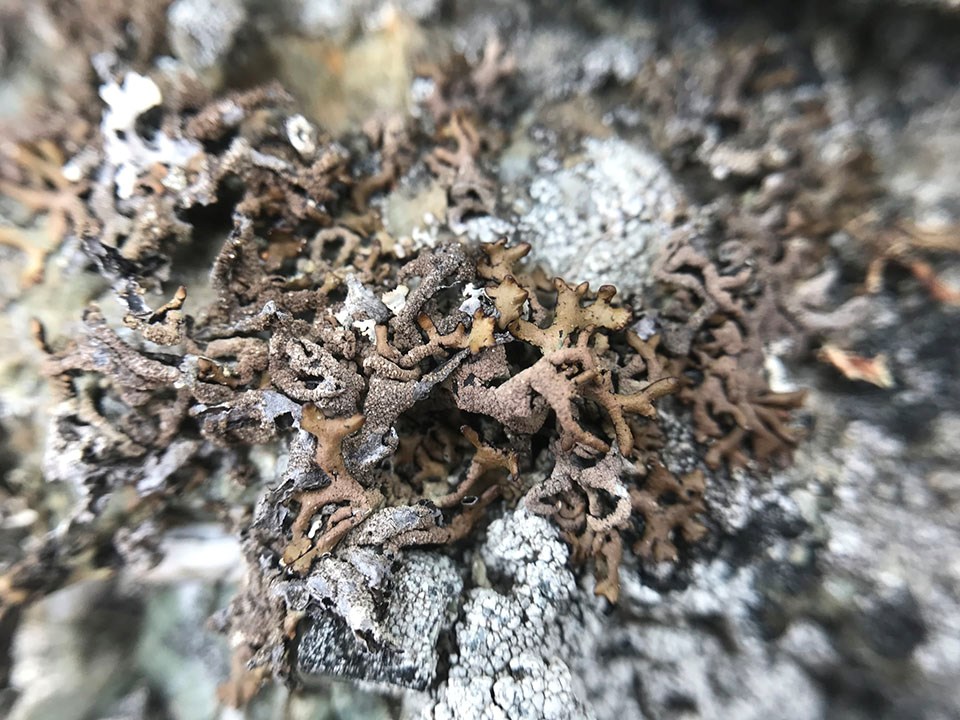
{"x":202,"y":32}
{"x":603,"y":219}
{"x":73,"y":653}
{"x":419,"y":601}
{"x":178,"y":653}
{"x":512,"y":639}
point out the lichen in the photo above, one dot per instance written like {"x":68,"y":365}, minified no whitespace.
{"x":410,"y":393}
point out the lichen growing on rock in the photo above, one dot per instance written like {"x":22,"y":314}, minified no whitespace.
{"x":344,"y":349}
{"x":492,"y":385}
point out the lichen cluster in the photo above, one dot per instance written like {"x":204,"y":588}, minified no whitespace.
{"x":313,"y":280}
{"x":408,"y":390}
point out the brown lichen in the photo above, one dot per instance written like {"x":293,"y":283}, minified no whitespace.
{"x":906,"y":244}
{"x":41,"y":188}
{"x":669,"y":506}
{"x":735,"y":408}
{"x":349,"y":355}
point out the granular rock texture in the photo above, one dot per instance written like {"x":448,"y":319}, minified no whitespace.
{"x":605,"y":218}
{"x":515,"y":635}
{"x":424,"y":593}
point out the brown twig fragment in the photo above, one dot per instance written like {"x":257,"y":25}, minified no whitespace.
{"x":330,"y":434}
{"x":856,"y":367}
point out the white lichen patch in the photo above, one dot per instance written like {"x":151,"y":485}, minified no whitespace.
{"x":361,"y":307}
{"x":302,"y":135}
{"x":366,"y":328}
{"x":126,"y":151}
{"x":604,"y":218}
{"x":513,"y":657}
{"x":473,"y":299}
{"x":128,"y":101}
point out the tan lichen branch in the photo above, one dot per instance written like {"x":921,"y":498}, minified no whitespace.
{"x":572,"y":317}
{"x":609,"y":556}
{"x":164,"y":326}
{"x":36,"y":256}
{"x":49,"y":193}
{"x":443,"y":162}
{"x":498,"y":260}
{"x":509,"y":298}
{"x":486,"y":460}
{"x":685,"y":267}
{"x":618,"y":406}
{"x":731,"y":394}
{"x":343,"y":488}
{"x":903,"y":242}
{"x":856,"y":367}
{"x":592,"y":504}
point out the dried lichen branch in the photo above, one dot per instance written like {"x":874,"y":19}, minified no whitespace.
{"x":856,"y":367}
{"x":43,"y":189}
{"x":904,"y":243}
{"x":342,"y":488}
{"x":669,"y":506}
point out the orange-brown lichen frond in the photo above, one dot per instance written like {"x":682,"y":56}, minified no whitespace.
{"x":44,"y":189}
{"x":481,"y":333}
{"x":609,"y":557}
{"x":330,"y":434}
{"x":856,"y":367}
{"x":571,"y":316}
{"x":498,"y":260}
{"x":618,"y":406}
{"x":737,"y":409}
{"x":464,"y":134}
{"x":905,"y":243}
{"x":36,"y":255}
{"x":163,"y":326}
{"x":486,"y":460}
{"x":508,"y":297}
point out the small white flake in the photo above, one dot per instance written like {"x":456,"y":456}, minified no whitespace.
{"x":472,"y":293}
{"x":129,"y":101}
{"x":124,"y":148}
{"x":366,"y":328}
{"x":396,"y":299}
{"x":71,"y":172}
{"x":302,"y":135}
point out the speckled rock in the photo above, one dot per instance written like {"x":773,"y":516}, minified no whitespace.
{"x":604,"y":218}
{"x":419,"y":603}
{"x":512,"y":649}
{"x":202,"y":32}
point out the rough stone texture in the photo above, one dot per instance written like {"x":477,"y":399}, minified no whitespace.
{"x":202,"y":31}
{"x":599,"y":212}
{"x":514,"y":639}
{"x":890,"y":565}
{"x":75,"y":653}
{"x":603,"y":219}
{"x":829,"y":590}
{"x":421,"y":597}
{"x":533,"y":631}
{"x":698,"y":651}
